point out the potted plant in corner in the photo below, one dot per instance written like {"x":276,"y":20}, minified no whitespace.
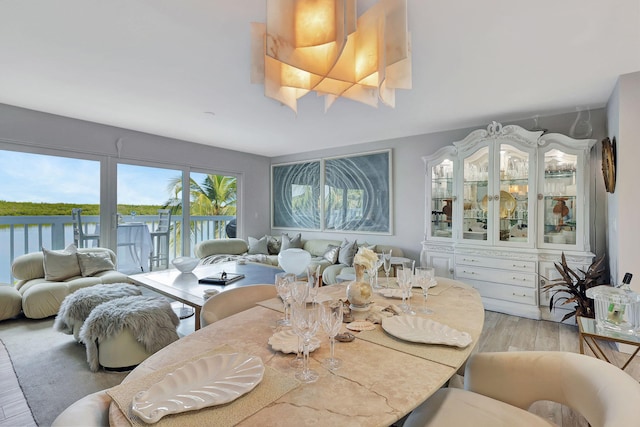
{"x":572,"y":287}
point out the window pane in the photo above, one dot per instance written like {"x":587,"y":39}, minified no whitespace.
{"x":38,"y":193}
{"x":213,"y":207}
{"x":143,"y":242}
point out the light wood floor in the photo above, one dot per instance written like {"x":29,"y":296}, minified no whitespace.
{"x":501,"y":333}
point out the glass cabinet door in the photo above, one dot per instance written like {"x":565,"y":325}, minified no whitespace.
{"x":476,"y":202}
{"x":513,"y":208}
{"x":559,"y":194}
{"x":442,"y":199}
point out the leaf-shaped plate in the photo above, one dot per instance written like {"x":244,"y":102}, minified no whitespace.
{"x":209,"y":381}
{"x":422,"y":330}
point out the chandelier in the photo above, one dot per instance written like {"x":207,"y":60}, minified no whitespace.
{"x":323,"y":46}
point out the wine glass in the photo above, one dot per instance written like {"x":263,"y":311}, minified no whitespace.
{"x":404,"y":281}
{"x":386,"y":264}
{"x":299,"y":294}
{"x":331,"y":319}
{"x":424,"y":276}
{"x":283,"y":287}
{"x":305,"y":325}
{"x":313,"y":280}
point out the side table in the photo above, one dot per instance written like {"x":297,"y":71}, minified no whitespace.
{"x":589,"y":333}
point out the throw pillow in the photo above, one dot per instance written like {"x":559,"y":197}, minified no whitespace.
{"x":331,"y":254}
{"x":347,"y":252}
{"x":92,"y":263}
{"x":368,"y":246}
{"x":258,"y":246}
{"x":273,"y":245}
{"x":288,"y":242}
{"x":60,"y":265}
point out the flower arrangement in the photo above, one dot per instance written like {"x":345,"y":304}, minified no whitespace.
{"x":366,"y":257}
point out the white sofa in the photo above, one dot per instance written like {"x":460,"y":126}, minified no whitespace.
{"x":266,"y":249}
{"x":41,"y":293}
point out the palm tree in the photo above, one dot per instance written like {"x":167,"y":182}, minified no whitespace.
{"x":217,"y":195}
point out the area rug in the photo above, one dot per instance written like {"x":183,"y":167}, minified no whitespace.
{"x":51,"y":367}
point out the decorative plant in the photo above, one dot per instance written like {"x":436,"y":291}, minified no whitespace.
{"x":572,"y":287}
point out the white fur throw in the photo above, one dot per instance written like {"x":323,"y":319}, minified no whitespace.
{"x":75,"y":308}
{"x":151,"y":320}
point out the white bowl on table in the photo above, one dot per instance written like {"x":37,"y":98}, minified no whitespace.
{"x":185,"y":264}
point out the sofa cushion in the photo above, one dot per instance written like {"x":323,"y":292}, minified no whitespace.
{"x":10,"y":301}
{"x":331,"y":254}
{"x":291,"y":242}
{"x":258,"y":246}
{"x":233,"y":246}
{"x":273,"y":245}
{"x":60,"y":265}
{"x":28,"y":266}
{"x":347,"y":252}
{"x":92,"y":263}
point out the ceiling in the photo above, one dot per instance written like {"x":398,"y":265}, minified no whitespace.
{"x":181,"y":68}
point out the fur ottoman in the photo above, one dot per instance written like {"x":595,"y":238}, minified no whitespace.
{"x":76,"y":307}
{"x":121,"y":333}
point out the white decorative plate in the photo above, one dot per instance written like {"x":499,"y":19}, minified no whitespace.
{"x":419,"y":329}
{"x":391,"y":293}
{"x":286,"y":341}
{"x":209,"y":381}
{"x":361,"y":325}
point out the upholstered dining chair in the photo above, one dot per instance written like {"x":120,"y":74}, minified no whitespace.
{"x":233,"y":301}
{"x":79,"y":236}
{"x":500,"y":387}
{"x":160,"y":240}
{"x":90,"y":411}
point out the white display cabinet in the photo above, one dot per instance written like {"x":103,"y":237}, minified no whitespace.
{"x":501,"y":206}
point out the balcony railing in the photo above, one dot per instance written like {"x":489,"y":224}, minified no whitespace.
{"x":23,"y":234}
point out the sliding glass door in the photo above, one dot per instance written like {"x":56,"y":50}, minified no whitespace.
{"x":148,"y":216}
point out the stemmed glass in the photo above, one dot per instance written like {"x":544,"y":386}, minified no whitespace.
{"x":424,"y":277}
{"x":305,"y":325}
{"x":404,"y":280}
{"x":331,"y":318}
{"x":386,"y":264}
{"x":299,"y":294}
{"x":313,"y":280}
{"x":283,"y":286}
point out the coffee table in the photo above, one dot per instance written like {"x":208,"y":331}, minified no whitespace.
{"x":184,"y":287}
{"x":590,"y":333}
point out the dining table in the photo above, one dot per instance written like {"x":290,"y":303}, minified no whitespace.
{"x":382,"y":378}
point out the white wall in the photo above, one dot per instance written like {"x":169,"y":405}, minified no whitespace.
{"x":409,"y":180}
{"x":23,"y":129}
{"x":623,"y":113}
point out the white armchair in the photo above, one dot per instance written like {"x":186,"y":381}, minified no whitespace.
{"x":500,"y":387}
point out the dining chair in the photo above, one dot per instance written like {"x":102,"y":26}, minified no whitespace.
{"x":80,"y":237}
{"x":234,"y":301}
{"x":89,"y":411}
{"x":160,"y":240}
{"x":500,"y":387}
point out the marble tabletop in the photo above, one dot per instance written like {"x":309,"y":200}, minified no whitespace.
{"x":381,"y":379}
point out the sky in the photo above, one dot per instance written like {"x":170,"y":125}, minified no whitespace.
{"x":26,"y":177}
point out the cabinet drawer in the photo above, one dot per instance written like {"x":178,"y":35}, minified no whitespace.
{"x":505,"y":292}
{"x":506,"y":277}
{"x":504,"y":264}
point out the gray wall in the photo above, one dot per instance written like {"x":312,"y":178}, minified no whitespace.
{"x":623,"y":111}
{"x":28,"y":130}
{"x":409,"y":179}
{"x":40,"y":132}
